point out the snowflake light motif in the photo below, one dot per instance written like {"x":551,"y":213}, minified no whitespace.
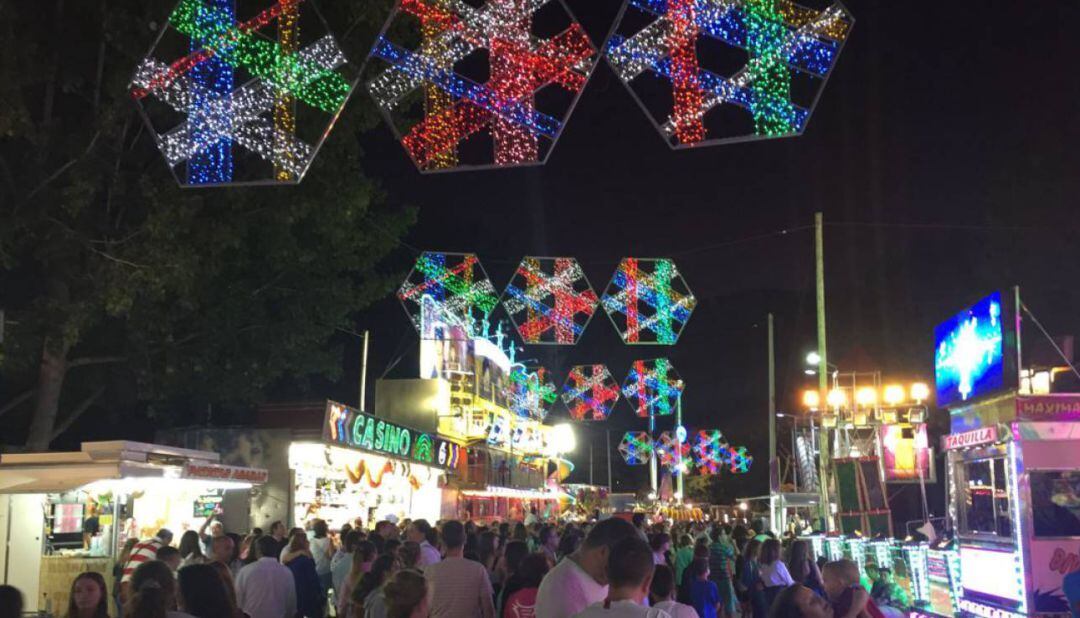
{"x":668,"y":452}
{"x":456,"y":280}
{"x":648,"y":301}
{"x":790,"y":50}
{"x":239,"y":85}
{"x":530,"y":394}
{"x":711,"y":451}
{"x":455,"y":110}
{"x":550,"y":300}
{"x":590,"y":392}
{"x":653,"y":387}
{"x":740,"y":459}
{"x":636,"y":448}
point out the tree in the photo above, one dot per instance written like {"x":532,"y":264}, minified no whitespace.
{"x":110,"y":274}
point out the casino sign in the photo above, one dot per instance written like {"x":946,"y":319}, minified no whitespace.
{"x":351,"y":428}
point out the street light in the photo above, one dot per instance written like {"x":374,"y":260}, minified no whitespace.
{"x":563,"y":438}
{"x":813,"y":358}
{"x":836,"y":398}
{"x":920,"y":392}
{"x":811,"y":399}
{"x":894,"y":394}
{"x":866,"y":396}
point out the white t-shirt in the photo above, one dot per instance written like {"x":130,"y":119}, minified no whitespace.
{"x":320,"y":552}
{"x":677,"y":610}
{"x":621,"y":609}
{"x":775,"y":574}
{"x":566,"y":590}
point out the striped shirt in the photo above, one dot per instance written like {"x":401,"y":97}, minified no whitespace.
{"x":144,"y":551}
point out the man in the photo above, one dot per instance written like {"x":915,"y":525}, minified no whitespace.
{"x":170,"y":556}
{"x":418,"y":532}
{"x":266,"y":588}
{"x":661,"y":544}
{"x":221,"y":550}
{"x":140,"y":553}
{"x":278,"y":533}
{"x":531,"y":518}
{"x":630,"y":573}
{"x":549,"y":544}
{"x":458,"y":587}
{"x":217,"y":529}
{"x":581,"y":578}
{"x":638,"y":520}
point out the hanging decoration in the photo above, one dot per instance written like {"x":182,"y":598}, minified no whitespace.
{"x":477,"y":87}
{"x":530,"y":393}
{"x":590,"y":393}
{"x":550,"y":300}
{"x":457,"y":281}
{"x":653,"y":387}
{"x":741,"y":460}
{"x":670,"y":453}
{"x":711,"y":451}
{"x":786,"y":50}
{"x":636,"y":448}
{"x":241,"y":86}
{"x":648,"y":301}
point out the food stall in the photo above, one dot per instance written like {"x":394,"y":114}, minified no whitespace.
{"x":67,"y":513}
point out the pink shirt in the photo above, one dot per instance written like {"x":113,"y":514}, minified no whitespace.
{"x":521,"y":604}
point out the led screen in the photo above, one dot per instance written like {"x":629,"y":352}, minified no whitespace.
{"x":969,"y":359}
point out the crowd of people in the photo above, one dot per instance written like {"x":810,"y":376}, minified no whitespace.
{"x":612,"y":568}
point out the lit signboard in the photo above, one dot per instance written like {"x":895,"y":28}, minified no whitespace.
{"x":971,"y":353}
{"x":993,"y":573}
{"x":906,"y":453}
{"x":349,"y":427}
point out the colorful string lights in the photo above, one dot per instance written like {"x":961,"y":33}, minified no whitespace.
{"x":648,"y":301}
{"x":780,"y":39}
{"x":636,"y":448}
{"x":530,"y":394}
{"x":653,"y":387}
{"x":550,"y":300}
{"x":670,"y":453}
{"x":711,"y":451}
{"x":456,"y":108}
{"x":455,"y":280}
{"x":590,"y":392}
{"x":274,"y":72}
{"x":740,"y":459}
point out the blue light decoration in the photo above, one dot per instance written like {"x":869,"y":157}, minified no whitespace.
{"x":636,"y":448}
{"x":969,"y":352}
{"x":214,"y":78}
{"x":653,"y":387}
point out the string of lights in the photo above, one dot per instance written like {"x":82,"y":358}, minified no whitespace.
{"x":711,"y":451}
{"x":530,"y":394}
{"x":636,"y":448}
{"x":653,"y":387}
{"x":550,"y":300}
{"x":648,"y":301}
{"x":671,"y":453}
{"x":590,"y":392}
{"x":455,"y":280}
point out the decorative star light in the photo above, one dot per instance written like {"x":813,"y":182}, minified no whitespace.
{"x":789,"y":51}
{"x":550,"y":300}
{"x":669,"y":453}
{"x":507,"y":113}
{"x":740,"y":459}
{"x":238,"y":85}
{"x":711,"y":451}
{"x":590,"y":392}
{"x":648,"y":301}
{"x":636,"y":448}
{"x":530,"y":393}
{"x":652,"y":387}
{"x":455,"y":280}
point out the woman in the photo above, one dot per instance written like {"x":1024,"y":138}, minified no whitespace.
{"x":721,"y":561}
{"x":409,"y":555}
{"x":153,"y":588}
{"x":800,"y":602}
{"x":322,"y":551}
{"x":488,"y":551}
{"x":803,"y":569}
{"x":521,"y":589}
{"x":191,"y":549}
{"x":366,"y":600}
{"x":88,"y":597}
{"x":514,"y":553}
{"x":772,"y":571}
{"x":549,"y":543}
{"x":310,"y":597}
{"x":662,"y":593}
{"x":230,"y":585}
{"x":568,"y":543}
{"x":362,"y":561}
{"x":342,"y":562}
{"x":684,"y":555}
{"x":406,"y":595}
{"x":203,"y":593}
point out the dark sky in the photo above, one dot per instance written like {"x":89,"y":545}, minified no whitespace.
{"x":942,"y":152}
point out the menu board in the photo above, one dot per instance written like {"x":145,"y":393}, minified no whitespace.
{"x":207,"y":504}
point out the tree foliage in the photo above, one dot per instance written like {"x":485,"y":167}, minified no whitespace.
{"x":117,"y":285}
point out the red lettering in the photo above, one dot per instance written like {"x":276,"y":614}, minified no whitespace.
{"x":1064,"y":562}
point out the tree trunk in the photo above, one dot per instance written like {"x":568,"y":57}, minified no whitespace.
{"x":51,"y":375}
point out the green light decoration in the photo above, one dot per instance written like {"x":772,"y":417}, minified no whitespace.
{"x":770,"y":78}
{"x":422,"y":449}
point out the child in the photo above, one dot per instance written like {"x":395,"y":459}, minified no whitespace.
{"x":630,"y":573}
{"x":662,"y":594}
{"x":849,"y":599}
{"x":704,"y":594}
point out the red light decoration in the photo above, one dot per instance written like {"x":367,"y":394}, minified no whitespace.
{"x":550,"y":300}
{"x":590,"y":393}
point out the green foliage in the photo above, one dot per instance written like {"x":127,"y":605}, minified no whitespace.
{"x":208,"y":294}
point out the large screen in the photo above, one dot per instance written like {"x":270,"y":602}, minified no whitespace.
{"x":970,"y":353}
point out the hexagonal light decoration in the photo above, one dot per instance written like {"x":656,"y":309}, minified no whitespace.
{"x":717,"y":71}
{"x":711,"y":451}
{"x":530,"y":393}
{"x":590,"y":393}
{"x":740,"y":459}
{"x":468,"y":85}
{"x":456,"y":281}
{"x":648,"y":301}
{"x":550,"y":300}
{"x":636,"y":448}
{"x":653,"y":387}
{"x":242,"y":97}
{"x":667,"y":450}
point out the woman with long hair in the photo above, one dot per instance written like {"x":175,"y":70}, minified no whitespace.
{"x":310,"y":597}
{"x":153,"y":592}
{"x":488,"y":550}
{"x":230,"y":585}
{"x":203,"y":593}
{"x":362,"y":561}
{"x":191,"y":549}
{"x":406,"y":595}
{"x":802,"y":567}
{"x":513,"y":555}
{"x":366,"y":599}
{"x":88,"y":597}
{"x":520,"y":591}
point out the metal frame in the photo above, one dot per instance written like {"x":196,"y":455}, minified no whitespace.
{"x":415,"y":319}
{"x":689,"y":294}
{"x":547,"y":260}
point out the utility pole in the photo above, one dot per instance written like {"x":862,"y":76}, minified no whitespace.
{"x":678,"y":450}
{"x":773,"y":510}
{"x":652,"y":458}
{"x":823,"y":367}
{"x":607,"y":433}
{"x":363,"y":372}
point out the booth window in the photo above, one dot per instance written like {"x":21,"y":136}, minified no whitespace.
{"x":1055,"y":502}
{"x":986,"y":500}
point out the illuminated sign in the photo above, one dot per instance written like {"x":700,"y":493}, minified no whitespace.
{"x":1048,"y":408}
{"x":994,"y":573}
{"x":350,"y":427}
{"x":215,"y":472}
{"x":983,"y":435}
{"x":969,"y":356}
{"x":905,"y":453}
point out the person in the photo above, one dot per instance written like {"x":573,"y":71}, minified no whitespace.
{"x":798,"y":601}
{"x":170,"y":556}
{"x":721,"y":559}
{"x":229,"y":580}
{"x":406,"y":595}
{"x":140,"y":553}
{"x":409,"y":555}
{"x":363,"y":560}
{"x":277,"y":532}
{"x":802,"y":567}
{"x":549,"y":542}
{"x":310,"y":595}
{"x":488,"y":550}
{"x":581,"y":579}
{"x":217,"y":529}
{"x":203,"y":593}
{"x":322,"y":550}
{"x":848,"y":598}
{"x":223,"y":550}
{"x":701,"y":551}
{"x":190,"y":549}
{"x":520,"y":590}
{"x":11,"y":602}
{"x":512,"y":557}
{"x":704,"y":593}
{"x":1070,"y":585}
{"x":88,"y":597}
{"x":638,"y":519}
{"x":630,"y":573}
{"x":660,"y":543}
{"x":266,"y":588}
{"x":118,"y":571}
{"x":419,"y":531}
{"x":365,"y":598}
{"x":751,"y":589}
{"x":153,"y":592}
{"x":568,"y":542}
{"x":342,"y":562}
{"x":459,"y":587}
{"x":662,"y":594}
{"x":684,"y":555}
{"x":772,"y":570}
{"x":531,"y":518}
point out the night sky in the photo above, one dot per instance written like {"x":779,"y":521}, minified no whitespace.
{"x":942,"y":153}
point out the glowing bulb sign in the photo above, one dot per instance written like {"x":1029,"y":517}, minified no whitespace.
{"x":349,"y":427}
{"x":971,"y":358}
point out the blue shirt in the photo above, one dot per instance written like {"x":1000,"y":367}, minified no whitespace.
{"x":704,"y":595}
{"x":1071,"y":587}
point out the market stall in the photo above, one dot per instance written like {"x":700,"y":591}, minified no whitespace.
{"x":68,"y":513}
